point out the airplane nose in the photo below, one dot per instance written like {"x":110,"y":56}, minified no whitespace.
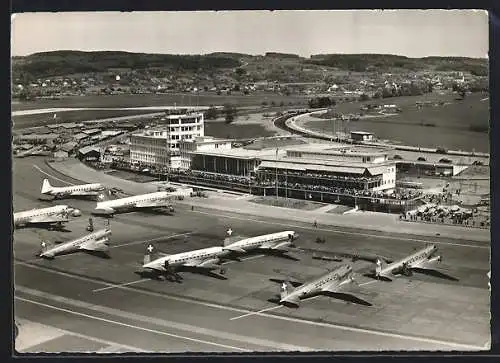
{"x":76,"y":213}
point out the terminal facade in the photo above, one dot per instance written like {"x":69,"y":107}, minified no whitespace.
{"x":159,"y":147}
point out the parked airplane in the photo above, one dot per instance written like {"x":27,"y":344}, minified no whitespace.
{"x":58,"y":215}
{"x":280,"y":241}
{"x":206,"y":259}
{"x":337,"y":283}
{"x":151,"y":200}
{"x":420,"y":261}
{"x":94,"y":242}
{"x":36,"y":151}
{"x":75,"y":190}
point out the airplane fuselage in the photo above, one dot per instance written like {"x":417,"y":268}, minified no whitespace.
{"x":268,"y":240}
{"x":48,"y":215}
{"x":187,"y":258}
{"x":133,"y":202}
{"x":332,"y":279}
{"x":412,"y":261}
{"x":76,"y":190}
{"x":74,"y":245}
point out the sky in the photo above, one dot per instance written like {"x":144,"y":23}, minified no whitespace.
{"x":412,"y":33}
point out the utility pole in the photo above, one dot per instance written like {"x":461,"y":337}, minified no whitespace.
{"x":277,"y":196}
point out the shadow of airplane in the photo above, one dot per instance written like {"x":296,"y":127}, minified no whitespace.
{"x":346,"y":297}
{"x":276,"y":300}
{"x":100,"y":254}
{"x":281,"y":254}
{"x":435,"y":273}
{"x":155,"y":211}
{"x":157,"y":275}
{"x":46,"y":226}
{"x":375,"y":277}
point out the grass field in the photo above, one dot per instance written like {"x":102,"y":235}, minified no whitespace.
{"x":451,"y":122}
{"x":287,"y":203}
{"x":181,"y":99}
{"x":73,"y":116}
{"x":230,"y":131}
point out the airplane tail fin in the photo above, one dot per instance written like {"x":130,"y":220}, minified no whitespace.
{"x":150,"y":254}
{"x":103,"y":196}
{"x":43,"y":246}
{"x":381,"y":264}
{"x":285,"y":289}
{"x":46,"y":187}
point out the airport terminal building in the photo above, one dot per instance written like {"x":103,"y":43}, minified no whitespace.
{"x":159,"y":147}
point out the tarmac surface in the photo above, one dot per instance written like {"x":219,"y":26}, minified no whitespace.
{"x":96,"y":304}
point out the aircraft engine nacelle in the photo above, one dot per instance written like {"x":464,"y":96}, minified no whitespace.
{"x":436,"y":259}
{"x":76,"y":213}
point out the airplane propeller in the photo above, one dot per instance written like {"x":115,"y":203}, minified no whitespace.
{"x":406,"y":270}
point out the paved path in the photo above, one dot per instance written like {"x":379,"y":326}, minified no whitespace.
{"x":364,"y":220}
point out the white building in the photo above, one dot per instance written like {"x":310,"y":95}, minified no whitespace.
{"x":160,"y":146}
{"x":201,"y":144}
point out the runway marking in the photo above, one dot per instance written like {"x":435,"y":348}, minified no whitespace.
{"x":88,"y":337}
{"x":271,"y":316}
{"x":120,"y":285}
{"x":132,"y":326}
{"x":367,"y":283}
{"x":151,"y":240}
{"x":257,"y":312}
{"x":343,"y":232}
{"x":51,"y":176}
{"x":157,"y":321}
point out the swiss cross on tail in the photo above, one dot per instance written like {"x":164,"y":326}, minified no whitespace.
{"x":148,"y":256}
{"x":229,"y":232}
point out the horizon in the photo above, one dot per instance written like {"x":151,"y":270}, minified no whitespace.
{"x":409,"y":33}
{"x":245,"y":54}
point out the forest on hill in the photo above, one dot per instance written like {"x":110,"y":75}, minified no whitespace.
{"x":388,"y":62}
{"x":67,"y":62}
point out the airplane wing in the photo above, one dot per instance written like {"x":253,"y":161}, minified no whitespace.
{"x":293,"y":299}
{"x":354,"y":256}
{"x":282,"y":246}
{"x":234,"y":249}
{"x":95,"y":245}
{"x":208,"y":264}
{"x":83,"y":193}
{"x":153,"y":204}
{"x":49,"y":219}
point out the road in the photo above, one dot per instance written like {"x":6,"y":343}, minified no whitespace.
{"x":105,"y":299}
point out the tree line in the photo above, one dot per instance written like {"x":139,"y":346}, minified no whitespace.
{"x":69,"y":62}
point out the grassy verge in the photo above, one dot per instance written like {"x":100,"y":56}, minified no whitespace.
{"x":181,"y":99}
{"x":287,"y":203}
{"x":73,"y":116}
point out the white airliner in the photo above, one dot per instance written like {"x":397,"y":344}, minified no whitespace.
{"x":75,"y":190}
{"x":58,"y":215}
{"x":95,"y":242}
{"x":207,"y":259}
{"x":417,"y":262}
{"x":36,"y":151}
{"x":336,"y":283}
{"x":151,"y":200}
{"x":280,"y":241}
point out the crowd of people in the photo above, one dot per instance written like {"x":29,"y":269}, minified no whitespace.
{"x":264,"y":181}
{"x":243,"y":180}
{"x":435,"y":211}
